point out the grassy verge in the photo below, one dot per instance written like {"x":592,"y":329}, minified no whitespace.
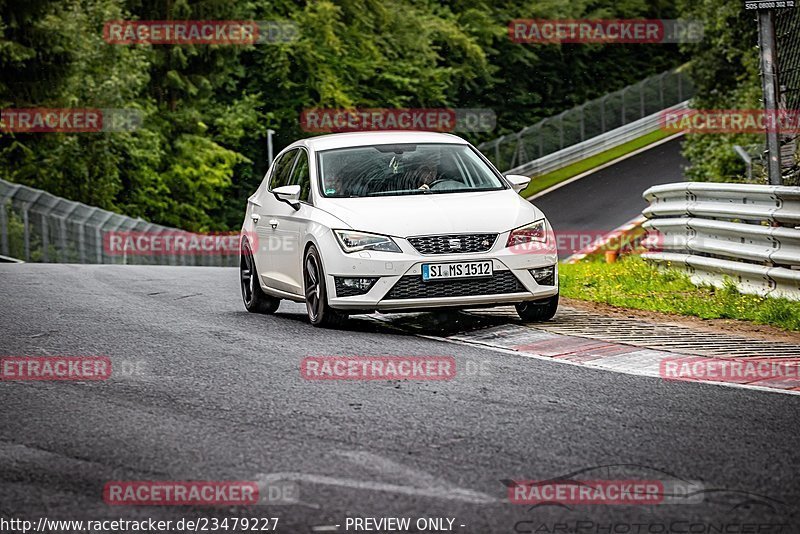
{"x":632,"y":283}
{"x":540,"y":183}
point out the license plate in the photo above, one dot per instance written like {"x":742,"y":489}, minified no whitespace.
{"x":446,"y":271}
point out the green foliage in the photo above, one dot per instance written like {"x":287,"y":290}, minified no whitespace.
{"x":725,"y":72}
{"x":202,"y":148}
{"x":632,"y":283}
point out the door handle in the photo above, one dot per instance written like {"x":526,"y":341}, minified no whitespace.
{"x":273,"y":223}
{"x":256,"y":217}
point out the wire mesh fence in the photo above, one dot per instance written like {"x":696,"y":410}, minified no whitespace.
{"x":590,"y":119}
{"x":36,"y":226}
{"x":787,"y":36}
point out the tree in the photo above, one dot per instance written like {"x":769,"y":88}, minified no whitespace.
{"x":202,"y":147}
{"x":725,"y":72}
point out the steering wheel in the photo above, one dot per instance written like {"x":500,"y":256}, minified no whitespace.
{"x":438,"y":181}
{"x":446,"y":184}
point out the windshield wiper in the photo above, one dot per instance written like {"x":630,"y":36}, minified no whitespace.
{"x":397,"y":193}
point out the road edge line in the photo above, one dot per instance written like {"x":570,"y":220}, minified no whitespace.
{"x":603,"y":166}
{"x":630,"y":372}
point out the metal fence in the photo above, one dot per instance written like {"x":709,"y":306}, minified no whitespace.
{"x":746,"y":233}
{"x":589,"y":120}
{"x":787,"y":37}
{"x":36,"y":226}
{"x":596,"y":145}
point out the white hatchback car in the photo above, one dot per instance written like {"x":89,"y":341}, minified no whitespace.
{"x":394,"y":221}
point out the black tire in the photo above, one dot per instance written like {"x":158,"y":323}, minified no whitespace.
{"x":319,"y":313}
{"x":538,"y":310}
{"x":254,"y":298}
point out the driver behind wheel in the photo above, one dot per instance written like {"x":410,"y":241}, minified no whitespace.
{"x":426,"y":175}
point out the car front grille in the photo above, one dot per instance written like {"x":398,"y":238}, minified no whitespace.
{"x":412,"y":287}
{"x":452,"y":243}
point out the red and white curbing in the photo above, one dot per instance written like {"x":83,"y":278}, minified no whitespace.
{"x":765,"y":374}
{"x":594,"y":247}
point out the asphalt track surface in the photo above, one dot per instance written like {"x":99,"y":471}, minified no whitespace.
{"x":610,"y":197}
{"x":217,"y":395}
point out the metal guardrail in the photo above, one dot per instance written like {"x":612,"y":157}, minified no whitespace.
{"x":747,"y":233}
{"x":589,"y":120}
{"x":37,"y":226}
{"x":596,"y":145}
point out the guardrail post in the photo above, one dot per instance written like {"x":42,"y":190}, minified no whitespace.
{"x":4,"y":220}
{"x":623,"y":105}
{"x":63,"y":232}
{"x":748,"y":161}
{"x":514,"y":155}
{"x":148,"y":231}
{"x":99,"y":237}
{"x":125,"y":250}
{"x":184,"y":254}
{"x":45,"y":239}
{"x":81,"y":242}
{"x":173,"y":257}
{"x":641,"y":100}
{"x":603,"y":114}
{"x":82,"y":234}
{"x":26,"y":221}
{"x":26,"y":232}
{"x":62,"y":237}
{"x":4,"y":229}
{"x":522,"y":155}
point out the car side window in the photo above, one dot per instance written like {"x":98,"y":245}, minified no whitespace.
{"x":283,"y":169}
{"x":301,"y":176}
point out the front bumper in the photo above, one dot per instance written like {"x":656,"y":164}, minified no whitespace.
{"x":399,"y":279}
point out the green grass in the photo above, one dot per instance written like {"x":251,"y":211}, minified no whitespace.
{"x":540,"y":183}
{"x":632,"y":283}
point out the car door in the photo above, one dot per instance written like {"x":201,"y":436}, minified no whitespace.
{"x":266,"y":211}
{"x":291,"y":229}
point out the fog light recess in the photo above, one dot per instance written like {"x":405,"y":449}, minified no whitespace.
{"x":349,"y":287}
{"x":545,"y":276}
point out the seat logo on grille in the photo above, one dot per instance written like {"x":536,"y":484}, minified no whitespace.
{"x":454,"y":244}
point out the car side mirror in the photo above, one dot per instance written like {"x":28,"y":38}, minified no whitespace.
{"x":289,"y":194}
{"x":518,"y":182}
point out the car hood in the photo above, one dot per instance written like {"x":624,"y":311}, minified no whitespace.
{"x":402,"y":216}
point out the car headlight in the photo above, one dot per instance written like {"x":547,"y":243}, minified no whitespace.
{"x":352,"y":241}
{"x":535,"y":232}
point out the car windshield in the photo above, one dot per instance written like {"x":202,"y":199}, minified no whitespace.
{"x":407,"y":169}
